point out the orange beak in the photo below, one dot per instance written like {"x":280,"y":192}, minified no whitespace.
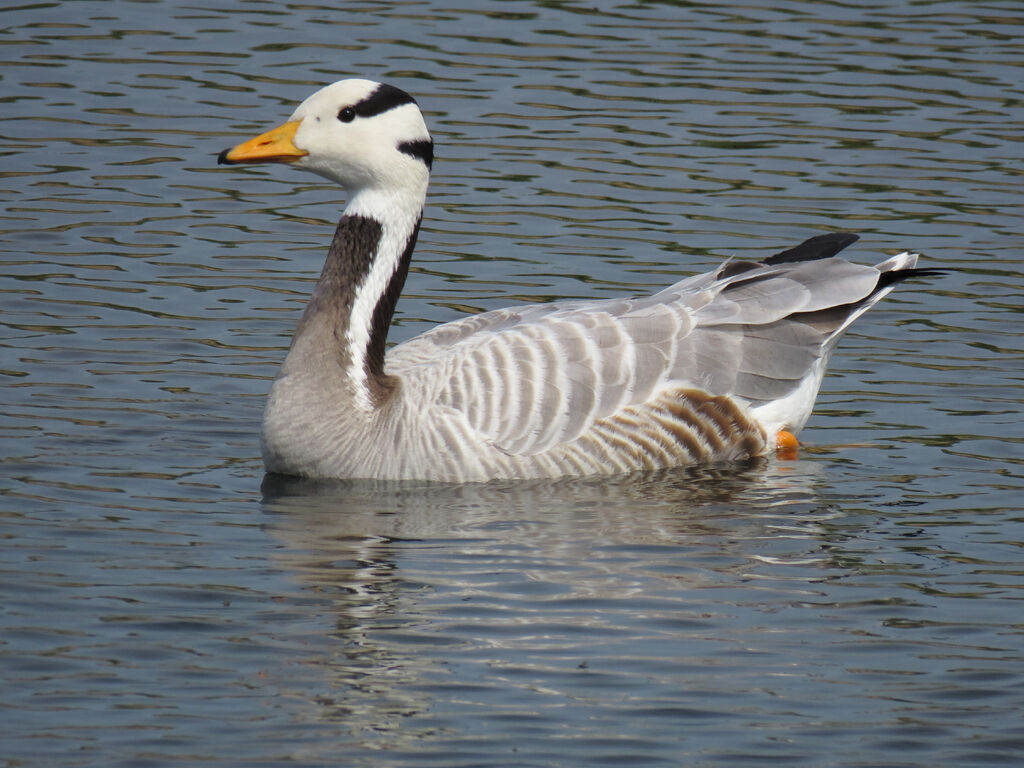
{"x":275,"y":146}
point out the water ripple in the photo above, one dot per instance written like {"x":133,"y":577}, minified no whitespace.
{"x":858,"y":605}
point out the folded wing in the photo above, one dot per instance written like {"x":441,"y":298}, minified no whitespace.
{"x":529,"y":379}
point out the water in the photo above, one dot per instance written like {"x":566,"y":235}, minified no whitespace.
{"x":859,"y":606}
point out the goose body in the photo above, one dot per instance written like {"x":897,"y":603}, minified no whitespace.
{"x":712,"y":368}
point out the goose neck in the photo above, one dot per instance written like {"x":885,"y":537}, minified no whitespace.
{"x":347,"y":320}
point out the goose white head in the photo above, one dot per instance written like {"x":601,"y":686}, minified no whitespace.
{"x":371,"y":139}
{"x":363,"y":135}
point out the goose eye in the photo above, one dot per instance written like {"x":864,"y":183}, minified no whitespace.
{"x":347,"y":115}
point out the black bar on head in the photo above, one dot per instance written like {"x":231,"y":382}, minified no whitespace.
{"x":422,"y":149}
{"x":381,"y":100}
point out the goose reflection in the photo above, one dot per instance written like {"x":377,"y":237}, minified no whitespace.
{"x":429,"y":588}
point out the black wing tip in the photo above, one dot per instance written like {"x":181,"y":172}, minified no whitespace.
{"x":829,"y":244}
{"x":818,"y":247}
{"x":894,"y":276}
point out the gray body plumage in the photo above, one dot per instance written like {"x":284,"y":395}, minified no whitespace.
{"x":706,"y":370}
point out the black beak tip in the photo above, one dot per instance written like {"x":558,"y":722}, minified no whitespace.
{"x":222,"y":158}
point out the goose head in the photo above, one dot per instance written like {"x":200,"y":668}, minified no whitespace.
{"x":366,"y":136}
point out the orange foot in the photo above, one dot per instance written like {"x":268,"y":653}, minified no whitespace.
{"x":786,"y":445}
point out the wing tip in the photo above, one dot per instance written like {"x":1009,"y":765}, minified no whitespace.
{"x":894,"y":270}
{"x":822,"y":246}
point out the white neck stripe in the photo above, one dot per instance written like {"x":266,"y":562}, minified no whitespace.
{"x":398,"y":222}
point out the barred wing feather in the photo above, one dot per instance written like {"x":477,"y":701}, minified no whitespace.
{"x":528,"y":379}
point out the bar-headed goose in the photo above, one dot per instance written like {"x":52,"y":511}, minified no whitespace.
{"x":717,"y":367}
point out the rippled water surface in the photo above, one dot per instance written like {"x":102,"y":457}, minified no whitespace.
{"x":160,"y":604}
